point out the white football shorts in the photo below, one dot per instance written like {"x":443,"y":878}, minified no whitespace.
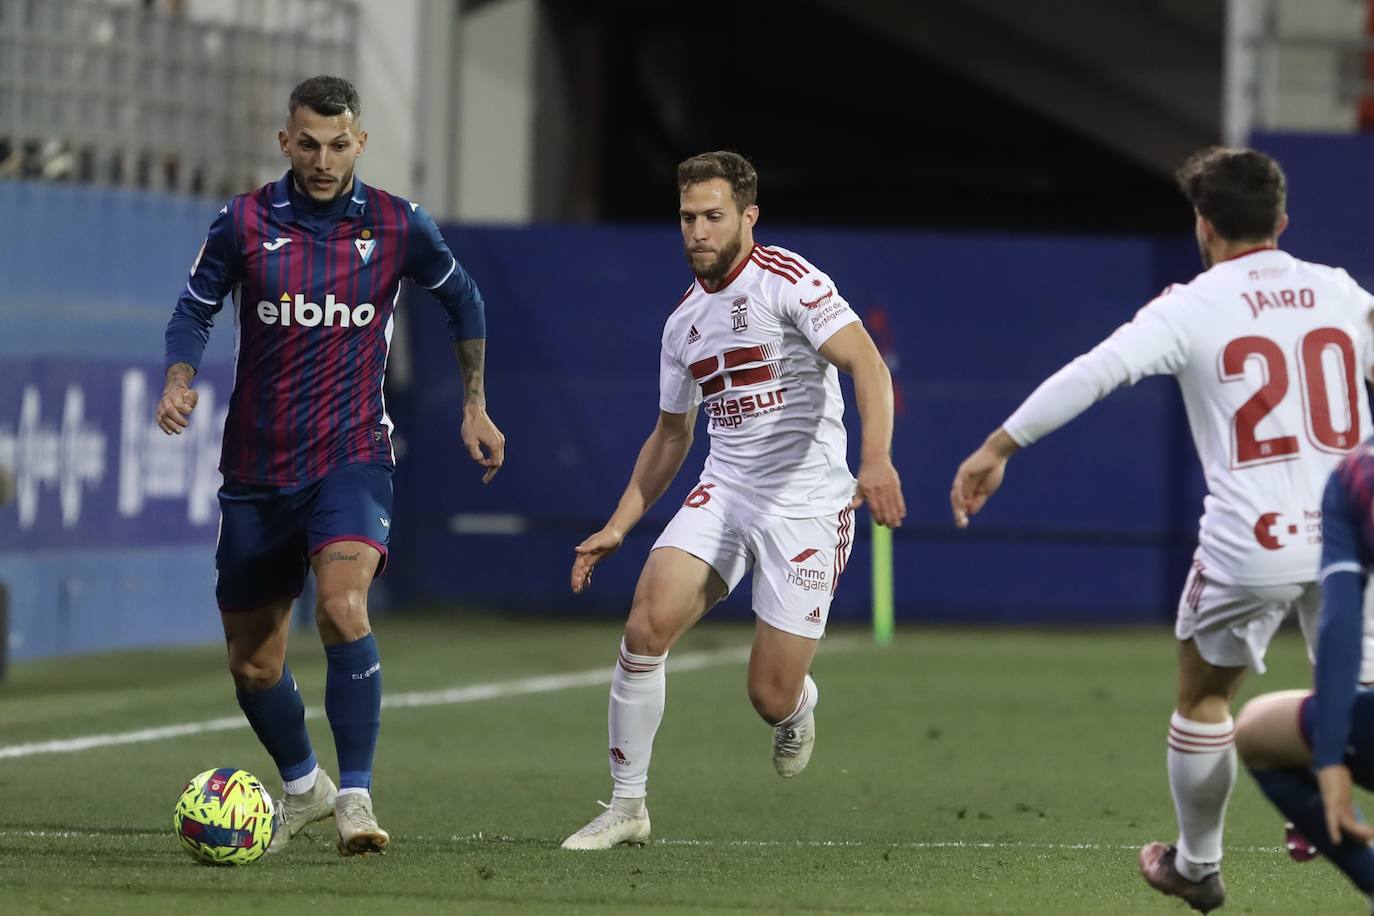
{"x":797,"y":562}
{"x":1233,"y":624}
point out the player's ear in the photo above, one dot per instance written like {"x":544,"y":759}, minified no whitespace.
{"x":1205,"y":230}
{"x":282,"y":139}
{"x":751,"y":215}
{"x":362,"y":141}
{"x":1283,"y":224}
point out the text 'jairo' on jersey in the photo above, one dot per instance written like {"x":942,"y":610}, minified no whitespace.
{"x":1271,"y":354}
{"x":749,"y":354}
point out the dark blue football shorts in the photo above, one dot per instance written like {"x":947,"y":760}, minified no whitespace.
{"x":268,"y":534}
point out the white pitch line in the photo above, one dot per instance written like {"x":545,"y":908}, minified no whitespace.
{"x":472,"y":693}
{"x":496,"y":840}
{"x":480,"y":839}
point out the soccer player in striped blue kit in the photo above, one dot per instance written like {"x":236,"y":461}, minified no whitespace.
{"x":315,"y":262}
{"x":1305,"y":748}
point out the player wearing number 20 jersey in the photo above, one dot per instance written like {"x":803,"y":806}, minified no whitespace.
{"x":1270,"y":353}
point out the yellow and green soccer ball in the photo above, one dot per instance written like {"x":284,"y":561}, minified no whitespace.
{"x":225,"y":817}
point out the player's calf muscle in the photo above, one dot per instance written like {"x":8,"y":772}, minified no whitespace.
{"x":341,"y":616}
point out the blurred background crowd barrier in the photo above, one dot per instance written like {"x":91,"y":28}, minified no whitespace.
{"x":1031,"y":216}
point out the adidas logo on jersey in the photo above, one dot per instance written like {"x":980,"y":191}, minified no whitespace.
{"x":295,"y":310}
{"x":693,"y":335}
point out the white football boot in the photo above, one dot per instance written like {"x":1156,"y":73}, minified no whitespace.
{"x":358,"y":830}
{"x":296,"y":812}
{"x":792,"y":746}
{"x":625,"y":820}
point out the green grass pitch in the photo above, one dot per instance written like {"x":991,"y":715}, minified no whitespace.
{"x":956,"y":772}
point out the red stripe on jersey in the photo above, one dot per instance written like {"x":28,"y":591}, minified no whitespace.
{"x":744,"y":355}
{"x":685,"y":295}
{"x":742,"y":377}
{"x":765,"y":257}
{"x":703,"y":367}
{"x":714,"y":386}
{"x":771,"y":269}
{"x":788,"y":259}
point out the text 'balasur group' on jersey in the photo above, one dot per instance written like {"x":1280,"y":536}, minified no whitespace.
{"x":749,"y":354}
{"x":1270,"y":353}
{"x":315,"y":289}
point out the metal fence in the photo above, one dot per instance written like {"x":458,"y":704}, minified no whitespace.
{"x":146,"y":95}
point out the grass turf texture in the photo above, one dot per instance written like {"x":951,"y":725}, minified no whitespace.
{"x":1044,"y":751}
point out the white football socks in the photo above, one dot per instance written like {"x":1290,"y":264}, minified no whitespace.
{"x":302,"y":785}
{"x":1202,"y":772}
{"x":810,"y":695}
{"x":638,"y":692}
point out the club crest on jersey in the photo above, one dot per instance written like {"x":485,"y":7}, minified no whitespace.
{"x":365,"y":243}
{"x":739,"y":314}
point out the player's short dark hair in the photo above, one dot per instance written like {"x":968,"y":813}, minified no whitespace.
{"x":1242,"y":192}
{"x":734,"y":168}
{"x":326,"y":95}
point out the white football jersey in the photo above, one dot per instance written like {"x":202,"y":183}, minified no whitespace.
{"x":749,"y":353}
{"x":1271,"y":354}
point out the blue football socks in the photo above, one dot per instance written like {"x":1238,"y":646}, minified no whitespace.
{"x":1295,"y":793}
{"x":278,"y":717}
{"x":353,"y":703}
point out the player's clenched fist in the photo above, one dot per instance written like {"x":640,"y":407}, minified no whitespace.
{"x":591,"y":552}
{"x":174,"y":410}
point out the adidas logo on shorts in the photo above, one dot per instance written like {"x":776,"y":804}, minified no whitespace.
{"x":814,"y":616}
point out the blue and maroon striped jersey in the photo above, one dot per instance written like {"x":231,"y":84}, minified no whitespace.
{"x":314,"y":294}
{"x":1347,"y":554}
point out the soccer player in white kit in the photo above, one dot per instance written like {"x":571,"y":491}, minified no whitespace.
{"x":755,"y":342}
{"x":1270,"y":353}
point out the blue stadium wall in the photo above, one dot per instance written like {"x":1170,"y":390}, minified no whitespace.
{"x":110,"y":542}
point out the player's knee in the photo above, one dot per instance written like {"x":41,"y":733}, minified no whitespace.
{"x":773,"y":701}
{"x":253,"y":674}
{"x":1249,"y":735}
{"x":343,"y":613}
{"x":1267,"y":732}
{"x":642,"y":637}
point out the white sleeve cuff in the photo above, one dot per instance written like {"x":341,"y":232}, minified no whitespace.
{"x":1347,"y":566}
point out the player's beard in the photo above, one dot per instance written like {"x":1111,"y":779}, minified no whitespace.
{"x":341,"y":187}
{"x":716,"y":271}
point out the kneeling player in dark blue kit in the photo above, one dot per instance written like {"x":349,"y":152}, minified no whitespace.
{"x":1305,"y":748}
{"x":314,"y":262}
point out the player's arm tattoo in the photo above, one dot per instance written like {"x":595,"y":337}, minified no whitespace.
{"x":472,"y":359}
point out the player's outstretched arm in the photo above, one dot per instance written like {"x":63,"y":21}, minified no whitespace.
{"x":980,"y":475}
{"x":658,"y":463}
{"x":178,"y":399}
{"x":484,"y":442}
{"x":852,"y":351}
